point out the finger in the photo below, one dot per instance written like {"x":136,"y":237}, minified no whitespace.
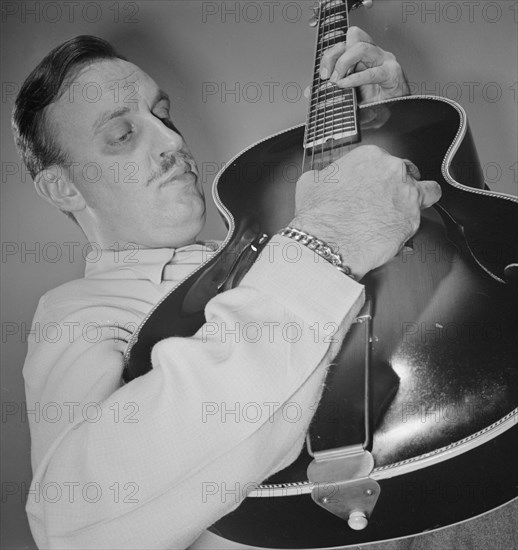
{"x":375,"y":75}
{"x":329,"y":59}
{"x":412,"y":169}
{"x":369,"y":54}
{"x":429,"y":193}
{"x":355,"y":34}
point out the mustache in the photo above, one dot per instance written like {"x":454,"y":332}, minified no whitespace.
{"x":172,"y":161}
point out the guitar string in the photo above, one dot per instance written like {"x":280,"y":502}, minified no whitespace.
{"x":341,"y":113}
{"x":343,"y":146}
{"x":322,"y":86}
{"x":313,"y":93}
{"x":339,"y":92}
{"x":323,"y":109}
{"x":340,"y":117}
{"x":327,"y":44}
{"x":308,"y":122}
{"x":335,"y":93}
{"x":316,"y":80}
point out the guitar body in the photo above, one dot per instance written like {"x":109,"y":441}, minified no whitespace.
{"x":445,"y":323}
{"x":444,"y":346}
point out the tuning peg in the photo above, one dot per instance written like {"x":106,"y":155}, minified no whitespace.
{"x":313,"y":22}
{"x":362,"y":3}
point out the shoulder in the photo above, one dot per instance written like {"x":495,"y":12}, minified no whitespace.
{"x":59,"y":302}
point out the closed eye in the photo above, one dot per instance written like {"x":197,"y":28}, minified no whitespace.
{"x":125,"y":136}
{"x":121,"y":133}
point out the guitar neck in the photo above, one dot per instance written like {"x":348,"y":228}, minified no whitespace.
{"x":332,"y":115}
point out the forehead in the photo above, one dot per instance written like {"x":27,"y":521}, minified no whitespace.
{"x":106,"y":76}
{"x":101,"y":85}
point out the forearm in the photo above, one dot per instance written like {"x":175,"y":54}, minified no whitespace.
{"x":183,"y":441}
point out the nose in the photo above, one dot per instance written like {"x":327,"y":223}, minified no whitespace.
{"x":168,"y":142}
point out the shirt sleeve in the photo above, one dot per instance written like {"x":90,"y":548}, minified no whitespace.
{"x":155,"y":462}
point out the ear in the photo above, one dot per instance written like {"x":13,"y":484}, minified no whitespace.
{"x":54,"y":185}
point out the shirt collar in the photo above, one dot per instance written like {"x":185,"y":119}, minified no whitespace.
{"x":141,"y":263}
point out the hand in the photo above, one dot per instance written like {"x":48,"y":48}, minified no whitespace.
{"x":367,"y":204}
{"x":376,"y":72}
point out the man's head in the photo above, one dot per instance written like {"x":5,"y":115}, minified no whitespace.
{"x":96,"y":135}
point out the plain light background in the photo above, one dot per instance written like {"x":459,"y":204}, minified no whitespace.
{"x":464,"y":50}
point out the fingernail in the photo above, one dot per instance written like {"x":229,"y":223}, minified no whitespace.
{"x":334,"y":77}
{"x":324,"y":73}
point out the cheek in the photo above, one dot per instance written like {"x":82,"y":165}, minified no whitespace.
{"x":111,"y":184}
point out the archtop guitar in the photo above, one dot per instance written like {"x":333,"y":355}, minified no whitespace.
{"x":416,"y":429}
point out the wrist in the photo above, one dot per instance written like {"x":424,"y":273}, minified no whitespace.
{"x":319,"y":247}
{"x":354,"y":258}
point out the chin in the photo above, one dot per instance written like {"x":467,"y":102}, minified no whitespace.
{"x":186,"y":233}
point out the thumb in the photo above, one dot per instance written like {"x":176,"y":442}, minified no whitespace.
{"x":429,"y":193}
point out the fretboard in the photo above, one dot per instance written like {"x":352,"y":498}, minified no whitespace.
{"x":332,"y":110}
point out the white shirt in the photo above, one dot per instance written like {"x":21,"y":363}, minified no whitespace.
{"x":153,"y":463}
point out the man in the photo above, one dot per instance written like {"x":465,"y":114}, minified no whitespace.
{"x":128,"y":463}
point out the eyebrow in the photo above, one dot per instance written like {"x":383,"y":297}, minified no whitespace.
{"x":106,"y":116}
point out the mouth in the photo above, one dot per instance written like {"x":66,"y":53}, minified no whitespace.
{"x":179,"y":175}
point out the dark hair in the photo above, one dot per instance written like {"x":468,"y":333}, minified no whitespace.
{"x":44,"y":86}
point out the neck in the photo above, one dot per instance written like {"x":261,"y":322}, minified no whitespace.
{"x":332,"y":116}
{"x":105,"y":238}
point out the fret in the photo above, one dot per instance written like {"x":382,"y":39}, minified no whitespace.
{"x":331,"y":93}
{"x":324,"y":87}
{"x":331,"y":115}
{"x":333,"y":21}
{"x":330,"y":3}
{"x":342,"y":135}
{"x":329,"y":126}
{"x":338,"y":133}
{"x":339,"y":12}
{"x":329,"y":132}
{"x":337,"y":124}
{"x":331,"y":102}
{"x":327,"y":8}
{"x":332,"y":106}
{"x":328,"y":87}
{"x":333,"y":27}
{"x":336,"y":35}
{"x":326,"y":4}
{"x":330,"y":122}
{"x":320,"y":130}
